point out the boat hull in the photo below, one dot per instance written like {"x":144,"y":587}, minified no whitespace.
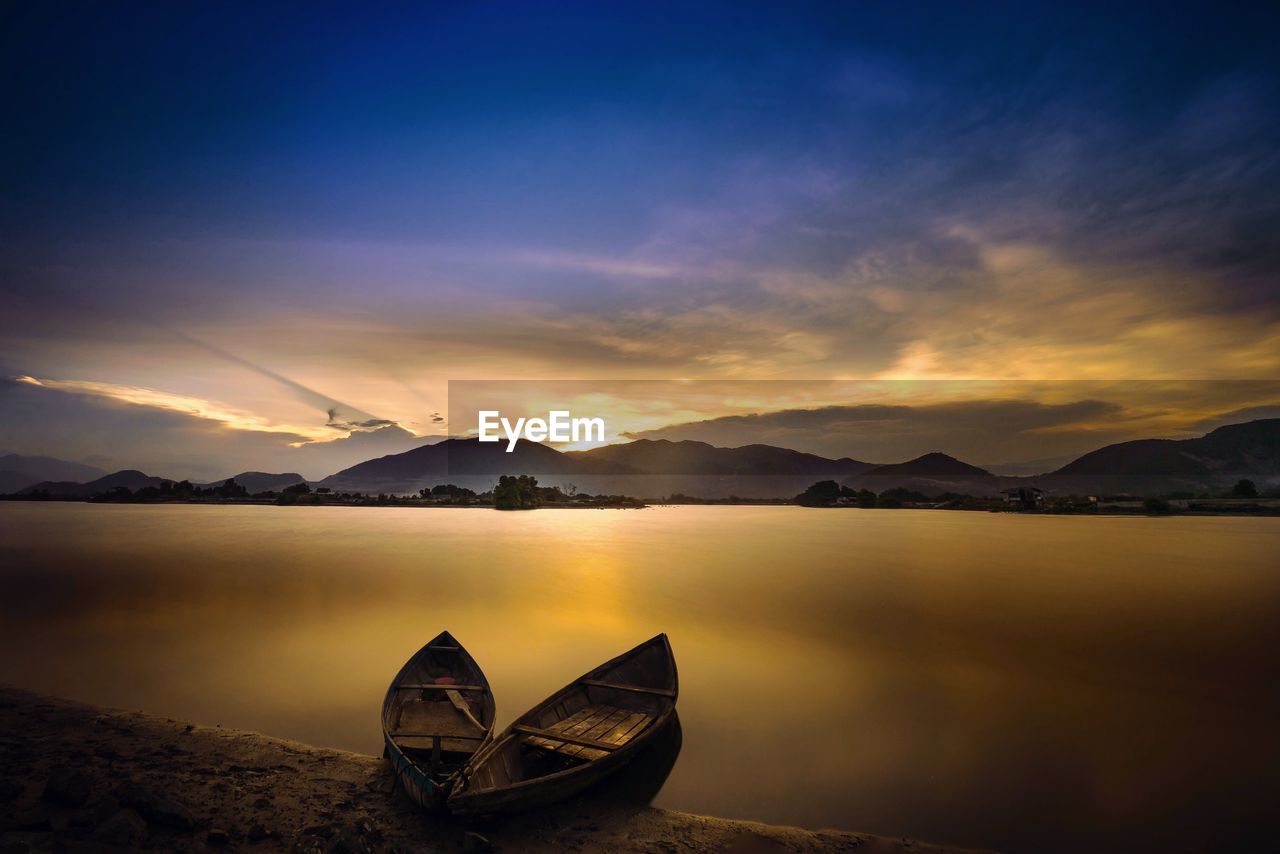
{"x":414,"y":781}
{"x":438,"y":712}
{"x":546,"y":791}
{"x":576,"y":738}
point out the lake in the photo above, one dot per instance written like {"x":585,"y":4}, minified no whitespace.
{"x":1026,"y":682}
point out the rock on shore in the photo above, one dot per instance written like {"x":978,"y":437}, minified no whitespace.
{"x":77,"y":777}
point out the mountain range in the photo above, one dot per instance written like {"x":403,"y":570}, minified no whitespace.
{"x":653,"y":468}
{"x":133,"y":480}
{"x":663,"y":456}
{"x":261,"y":481}
{"x":18,"y":471}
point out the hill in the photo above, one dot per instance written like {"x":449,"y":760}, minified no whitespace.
{"x":694,"y":468}
{"x":652,"y":469}
{"x":932,"y":474}
{"x":1212,"y":462}
{"x":933,"y":465}
{"x":257,"y":481}
{"x":1250,"y":448}
{"x":663,"y":456}
{"x":465,"y":462}
{"x":18,"y":471}
{"x":129,"y":478}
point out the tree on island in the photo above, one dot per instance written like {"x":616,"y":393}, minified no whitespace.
{"x":900,"y":496}
{"x":1244,"y":489}
{"x":547,"y":494}
{"x":826,"y":493}
{"x":447,"y":490}
{"x":516,"y":493}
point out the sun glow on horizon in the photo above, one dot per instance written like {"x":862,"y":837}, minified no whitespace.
{"x":228,"y":416}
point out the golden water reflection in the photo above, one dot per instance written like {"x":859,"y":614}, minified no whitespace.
{"x":1025,"y":682}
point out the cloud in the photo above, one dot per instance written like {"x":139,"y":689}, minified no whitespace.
{"x":173,"y":435}
{"x":1006,"y":429}
{"x":855,"y":208}
{"x":357,"y":426}
{"x":341,"y":415}
{"x":207,"y":410}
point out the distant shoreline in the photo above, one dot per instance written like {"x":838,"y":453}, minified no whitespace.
{"x":1262,"y":507}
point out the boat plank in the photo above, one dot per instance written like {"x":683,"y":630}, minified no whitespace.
{"x":628,"y":729}
{"x":570,"y":724}
{"x":563,"y":725}
{"x":529,"y":730}
{"x":620,"y":686}
{"x":589,"y":721}
{"x":601,"y":724}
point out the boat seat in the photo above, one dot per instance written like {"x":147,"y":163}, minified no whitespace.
{"x":590,"y":732}
{"x":420,"y":719}
{"x":622,"y":686}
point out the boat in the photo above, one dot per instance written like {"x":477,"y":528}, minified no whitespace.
{"x":575,"y":738}
{"x":438,"y":712}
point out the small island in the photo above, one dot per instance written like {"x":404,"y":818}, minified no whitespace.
{"x":512,"y":492}
{"x":1242,"y":499}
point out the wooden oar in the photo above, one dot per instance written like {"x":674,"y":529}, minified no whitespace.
{"x":461,"y":705}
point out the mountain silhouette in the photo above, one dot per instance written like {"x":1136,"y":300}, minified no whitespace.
{"x":465,"y":462}
{"x":258,"y":481}
{"x":932,"y":474}
{"x":694,"y":467}
{"x":663,"y":456}
{"x":131,"y":479}
{"x":18,"y":471}
{"x":933,"y":465}
{"x":1216,"y":459}
{"x":1250,"y":448}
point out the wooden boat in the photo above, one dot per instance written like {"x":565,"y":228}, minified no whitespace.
{"x":438,"y":712}
{"x":576,"y":737}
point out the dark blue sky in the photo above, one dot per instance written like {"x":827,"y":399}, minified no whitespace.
{"x":451,"y":189}
{"x":478,"y":121}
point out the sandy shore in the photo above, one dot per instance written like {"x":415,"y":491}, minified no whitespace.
{"x":79,"y":777}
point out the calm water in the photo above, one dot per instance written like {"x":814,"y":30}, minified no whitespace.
{"x":972,"y":678}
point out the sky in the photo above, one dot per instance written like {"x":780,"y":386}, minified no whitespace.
{"x":235,"y":237}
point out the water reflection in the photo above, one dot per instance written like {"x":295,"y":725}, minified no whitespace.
{"x":1016,"y":682}
{"x":639,"y":782}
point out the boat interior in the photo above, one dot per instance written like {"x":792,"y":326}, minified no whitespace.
{"x":597,"y":715}
{"x":441,"y":710}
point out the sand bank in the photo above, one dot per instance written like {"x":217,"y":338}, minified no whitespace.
{"x":80,"y":777}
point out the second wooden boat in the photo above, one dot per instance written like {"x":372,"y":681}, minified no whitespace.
{"x":437,"y":713}
{"x":578,"y":736}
